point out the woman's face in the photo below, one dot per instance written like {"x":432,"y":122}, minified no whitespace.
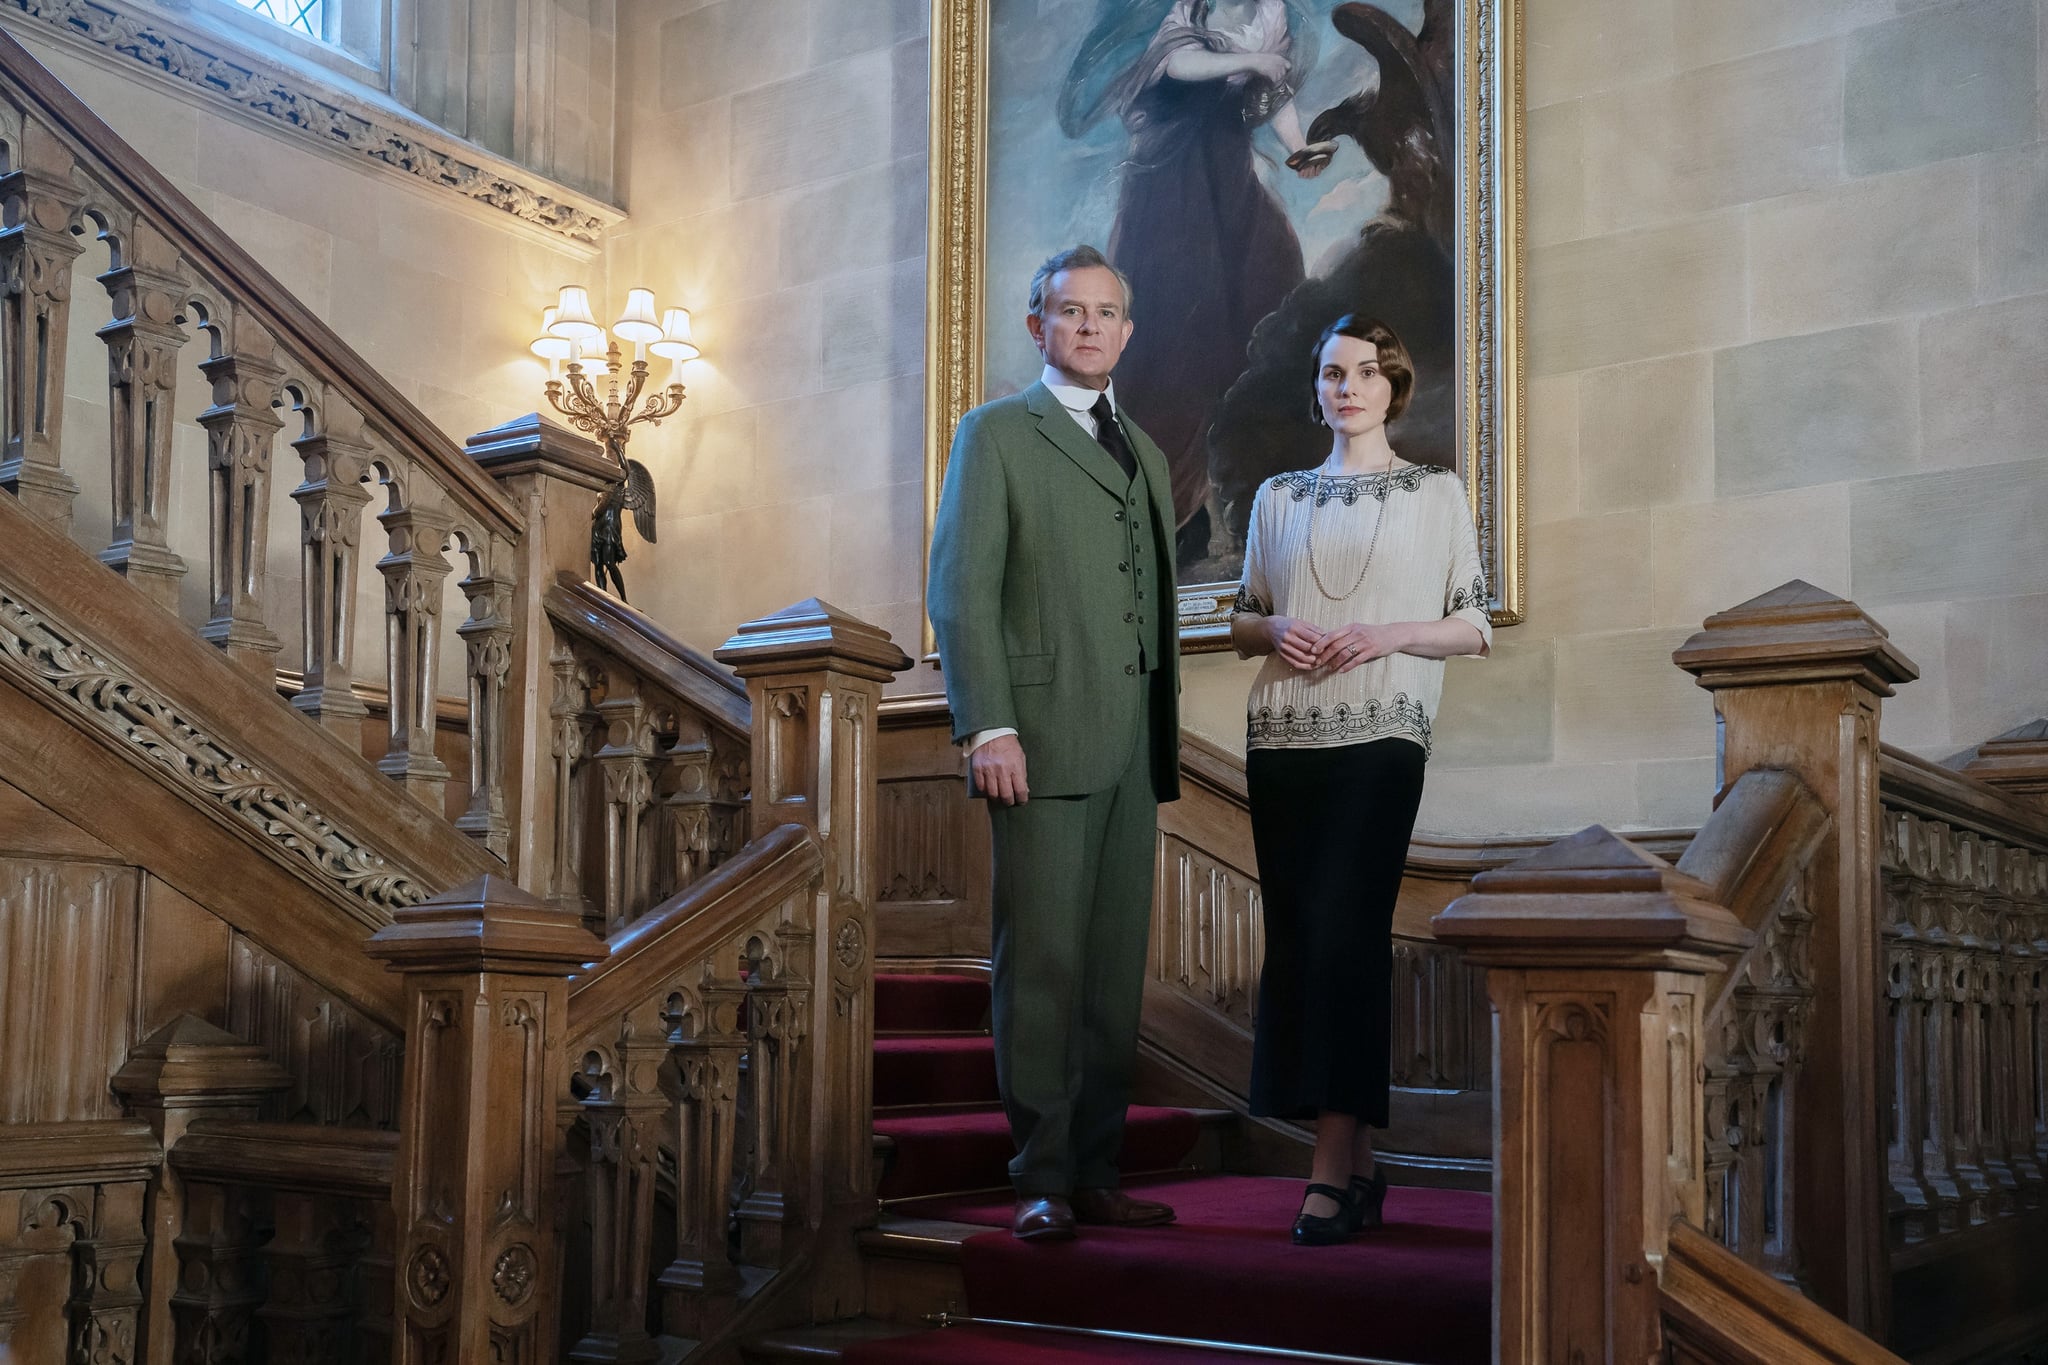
{"x":1351,"y":388}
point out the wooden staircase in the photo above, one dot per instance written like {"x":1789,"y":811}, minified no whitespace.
{"x":229,"y":1133}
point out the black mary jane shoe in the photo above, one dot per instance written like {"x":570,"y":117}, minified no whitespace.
{"x":1315,"y":1230}
{"x":1369,"y":1198}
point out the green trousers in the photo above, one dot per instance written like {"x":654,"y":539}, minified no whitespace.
{"x":1071,"y":917}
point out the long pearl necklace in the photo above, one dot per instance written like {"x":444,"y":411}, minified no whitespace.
{"x":1315,"y":502}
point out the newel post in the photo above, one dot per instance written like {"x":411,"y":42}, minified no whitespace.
{"x":487,"y":970}
{"x":814,"y":676}
{"x":556,"y":478}
{"x":1597,"y":956}
{"x":1798,"y":677}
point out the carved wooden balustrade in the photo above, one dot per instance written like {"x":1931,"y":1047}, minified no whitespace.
{"x":677,"y":1114}
{"x":376,"y":486}
{"x":1755,"y":856}
{"x":1965,"y":933}
{"x":1966,"y":939}
{"x":650,"y":759}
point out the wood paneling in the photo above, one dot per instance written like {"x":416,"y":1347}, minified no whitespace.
{"x":67,"y":986}
{"x":345,"y":1068}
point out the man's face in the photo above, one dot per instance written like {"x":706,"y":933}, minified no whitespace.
{"x":1085,"y":327}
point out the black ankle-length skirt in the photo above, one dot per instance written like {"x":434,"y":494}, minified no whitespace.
{"x":1331,"y":828}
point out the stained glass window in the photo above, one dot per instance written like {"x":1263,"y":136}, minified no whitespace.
{"x":301,"y":16}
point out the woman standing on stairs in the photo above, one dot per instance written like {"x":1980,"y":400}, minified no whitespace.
{"x":1360,"y":578}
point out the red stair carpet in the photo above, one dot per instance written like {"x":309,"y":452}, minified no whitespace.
{"x":1419,"y":1290}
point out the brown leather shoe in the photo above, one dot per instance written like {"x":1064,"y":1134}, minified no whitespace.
{"x":1042,"y":1218}
{"x":1118,"y":1209}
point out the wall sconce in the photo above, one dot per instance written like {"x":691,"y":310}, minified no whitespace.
{"x":584,"y":385}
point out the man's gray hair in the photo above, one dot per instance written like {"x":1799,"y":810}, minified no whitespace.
{"x":1073,"y":258}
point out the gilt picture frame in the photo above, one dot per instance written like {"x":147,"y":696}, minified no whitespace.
{"x":1455,"y":214}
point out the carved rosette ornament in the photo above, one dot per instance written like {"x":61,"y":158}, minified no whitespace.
{"x":513,"y":1273}
{"x":849,"y":945}
{"x":427,"y":1277}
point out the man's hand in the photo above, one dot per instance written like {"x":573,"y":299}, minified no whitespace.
{"x":998,"y":770}
{"x":1294,"y":641}
{"x":1346,"y":647}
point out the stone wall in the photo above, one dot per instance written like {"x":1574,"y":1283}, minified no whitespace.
{"x":775,"y":178}
{"x":1786,"y":309}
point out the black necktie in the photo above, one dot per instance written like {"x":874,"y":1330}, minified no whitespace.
{"x":1111,"y":436}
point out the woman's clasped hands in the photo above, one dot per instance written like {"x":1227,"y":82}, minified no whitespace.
{"x":1309,"y":648}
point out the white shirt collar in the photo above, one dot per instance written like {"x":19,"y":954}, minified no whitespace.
{"x":1073,"y":397}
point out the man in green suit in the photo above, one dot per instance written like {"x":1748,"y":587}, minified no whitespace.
{"x":1052,"y":596}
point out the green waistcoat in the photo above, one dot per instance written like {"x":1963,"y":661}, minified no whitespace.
{"x":1052,"y":594}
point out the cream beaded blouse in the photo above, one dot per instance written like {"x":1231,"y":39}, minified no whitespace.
{"x":1425,"y":566}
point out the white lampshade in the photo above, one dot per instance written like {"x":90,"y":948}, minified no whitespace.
{"x":675,"y":337}
{"x":638,"y":324}
{"x":547,"y":345}
{"x":591,"y":357}
{"x":572,"y":316}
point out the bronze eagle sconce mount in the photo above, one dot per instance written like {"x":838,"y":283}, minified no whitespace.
{"x":609,"y":416}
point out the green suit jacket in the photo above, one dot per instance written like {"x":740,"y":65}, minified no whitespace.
{"x":1030,"y":589}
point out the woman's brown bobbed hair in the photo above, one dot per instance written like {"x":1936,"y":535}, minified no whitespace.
{"x":1394,"y":361}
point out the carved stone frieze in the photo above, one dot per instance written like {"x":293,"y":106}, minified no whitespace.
{"x":297,"y":107}
{"x":53,"y":659}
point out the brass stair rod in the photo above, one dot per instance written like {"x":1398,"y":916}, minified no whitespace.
{"x":945,"y":1319}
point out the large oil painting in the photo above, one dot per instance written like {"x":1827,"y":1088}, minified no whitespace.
{"x":1256,"y":168}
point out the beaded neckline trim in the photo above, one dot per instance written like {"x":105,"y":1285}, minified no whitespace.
{"x":1301,"y":483}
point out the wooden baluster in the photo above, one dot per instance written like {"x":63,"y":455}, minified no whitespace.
{"x":775,"y":1038}
{"x":2022,"y":964}
{"x":38,"y":201}
{"x":220,"y":1274}
{"x":1721,"y":1216}
{"x":700,"y":1287}
{"x":814,"y":677}
{"x":626,"y":760}
{"x":331,"y":502}
{"x":624,"y":1113}
{"x":1798,"y":677}
{"x":685,"y":787}
{"x":1597,"y":955}
{"x":488,"y":637}
{"x":414,"y":571}
{"x":566,"y":715}
{"x":1937,"y":1078}
{"x":308,"y":1314}
{"x":241,"y":428}
{"x":106,"y":1278}
{"x":486,"y":970}
{"x":143,"y":344}
{"x":2036,"y":1044}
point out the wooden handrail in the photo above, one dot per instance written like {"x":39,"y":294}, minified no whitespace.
{"x":355,"y":1162}
{"x":599,"y":619}
{"x":688,"y":926}
{"x":1718,"y":1308}
{"x":255,"y":288}
{"x":1756,"y":844}
{"x":1910,"y":782}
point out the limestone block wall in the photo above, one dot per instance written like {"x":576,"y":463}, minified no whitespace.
{"x":775,"y":180}
{"x":1788,"y":294}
